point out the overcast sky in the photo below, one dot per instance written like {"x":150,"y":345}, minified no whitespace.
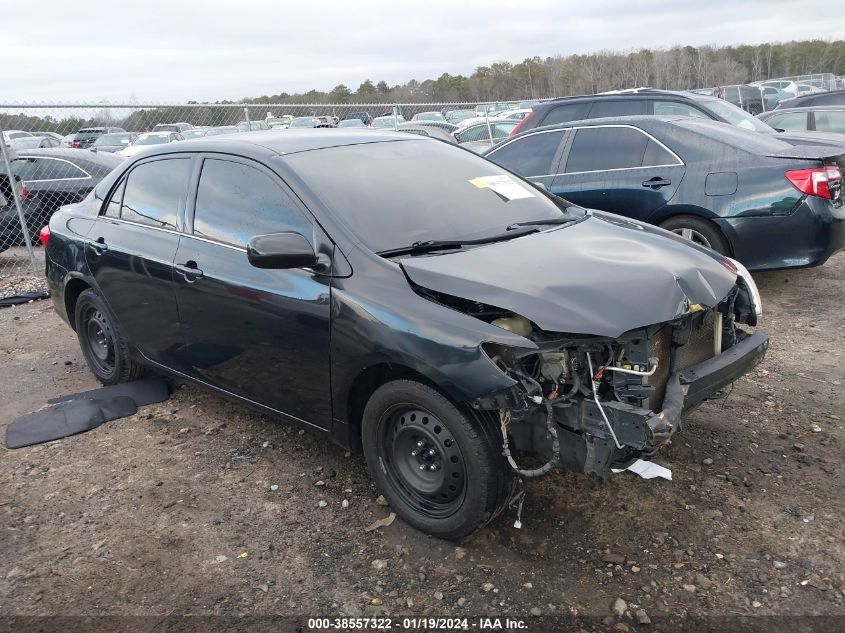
{"x":152,"y":50}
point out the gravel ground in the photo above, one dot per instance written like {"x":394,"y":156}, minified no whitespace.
{"x":16,"y":275}
{"x":202,"y":506}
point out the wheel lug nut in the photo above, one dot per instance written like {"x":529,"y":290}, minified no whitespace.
{"x":434,"y":467}
{"x":431,"y":452}
{"x":422,"y":466}
{"x":420,"y":443}
{"x":415,"y":452}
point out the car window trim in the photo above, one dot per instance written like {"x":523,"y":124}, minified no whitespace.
{"x":680,"y":162}
{"x":87,"y":175}
{"x":183,"y":199}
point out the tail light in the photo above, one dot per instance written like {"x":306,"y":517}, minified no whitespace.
{"x":44,"y":235}
{"x":728,"y":263}
{"x":75,"y":144}
{"x":24,"y":192}
{"x":519,"y":125}
{"x":815,"y":182}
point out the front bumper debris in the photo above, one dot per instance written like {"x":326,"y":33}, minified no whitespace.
{"x":586,"y":444}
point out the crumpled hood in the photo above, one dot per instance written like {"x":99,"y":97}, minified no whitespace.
{"x":602,"y":276}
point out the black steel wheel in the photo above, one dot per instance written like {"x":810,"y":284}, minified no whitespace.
{"x":441,"y":470}
{"x":423,"y":459}
{"x":104,"y":348}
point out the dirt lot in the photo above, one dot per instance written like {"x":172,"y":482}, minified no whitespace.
{"x":204,"y":507}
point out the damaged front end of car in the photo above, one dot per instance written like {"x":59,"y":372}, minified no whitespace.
{"x":591,"y":404}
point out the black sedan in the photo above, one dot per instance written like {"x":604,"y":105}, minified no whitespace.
{"x":52,"y":178}
{"x":767,"y":203}
{"x":406,"y":297}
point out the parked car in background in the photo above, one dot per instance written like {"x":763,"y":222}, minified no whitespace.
{"x":527,"y":105}
{"x":513,"y":115}
{"x":812,"y":118}
{"x":434,"y":129}
{"x":304,"y":122}
{"x":52,"y":178}
{"x":428,"y":116}
{"x":252,"y":126}
{"x":67,"y":140}
{"x":150,"y":138}
{"x":85,"y":137}
{"x":786,"y":85}
{"x":280,"y":122}
{"x":834,"y":97}
{"x":808,"y":89}
{"x":456,"y":116}
{"x":491,"y":108}
{"x":113,"y":142}
{"x":351,"y":123}
{"x":387,"y":121}
{"x":414,"y":310}
{"x":477,"y":137}
{"x":197,"y":131}
{"x":172,"y":127}
{"x":773,"y":96}
{"x":34,"y":142}
{"x":223,"y":129}
{"x":52,"y":135}
{"x":659,"y":102}
{"x":364,"y":117}
{"x":327,"y":121}
{"x":764,"y":202}
{"x":8,"y":135}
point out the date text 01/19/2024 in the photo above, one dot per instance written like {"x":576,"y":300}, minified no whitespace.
{"x":416,"y":624}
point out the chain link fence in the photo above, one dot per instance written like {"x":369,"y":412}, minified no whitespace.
{"x":53,"y":155}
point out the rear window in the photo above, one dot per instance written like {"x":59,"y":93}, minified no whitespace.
{"x":43,"y":169}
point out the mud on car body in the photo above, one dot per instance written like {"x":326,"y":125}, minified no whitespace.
{"x":403,"y":297}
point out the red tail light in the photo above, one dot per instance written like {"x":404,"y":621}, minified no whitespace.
{"x":44,"y":235}
{"x":24,"y":192}
{"x":727,"y":263}
{"x":515,"y":131}
{"x":75,"y":144}
{"x":815,"y":182}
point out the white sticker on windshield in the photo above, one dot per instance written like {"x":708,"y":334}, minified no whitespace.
{"x":504,"y":185}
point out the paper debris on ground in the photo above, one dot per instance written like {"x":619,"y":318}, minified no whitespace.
{"x":647,"y":470}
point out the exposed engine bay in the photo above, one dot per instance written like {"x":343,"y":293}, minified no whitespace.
{"x":588,"y":404}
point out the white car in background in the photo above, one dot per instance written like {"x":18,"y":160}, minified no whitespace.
{"x":150,"y":138}
{"x":513,"y":115}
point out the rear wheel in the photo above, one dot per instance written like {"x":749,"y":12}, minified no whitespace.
{"x":698,"y":231}
{"x":440,"y":471}
{"x":103,"y":346}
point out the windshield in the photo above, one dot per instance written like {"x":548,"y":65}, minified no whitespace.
{"x":25,"y":142}
{"x":152,"y":139}
{"x":193,"y":133}
{"x":386,"y":121}
{"x":113,"y":139}
{"x":392,"y":194}
{"x":737,"y":116}
{"x":303,"y":121}
{"x":221,"y":130}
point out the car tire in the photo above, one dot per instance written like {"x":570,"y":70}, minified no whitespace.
{"x":440,"y":470}
{"x":699,"y":231}
{"x":103,"y":346}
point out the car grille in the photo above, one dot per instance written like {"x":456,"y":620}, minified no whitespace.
{"x":700,"y":347}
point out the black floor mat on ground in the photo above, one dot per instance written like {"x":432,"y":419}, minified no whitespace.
{"x":144,"y":391}
{"x":80,"y":412}
{"x":17,"y":300}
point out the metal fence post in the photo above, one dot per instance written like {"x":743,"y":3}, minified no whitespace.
{"x":16,"y":195}
{"x":487,"y":119}
{"x":246,"y":118}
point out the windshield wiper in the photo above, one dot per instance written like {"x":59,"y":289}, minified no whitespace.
{"x":429,"y":246}
{"x":549,"y":221}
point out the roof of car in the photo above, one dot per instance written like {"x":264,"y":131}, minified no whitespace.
{"x":72,"y":155}
{"x":770,"y":113}
{"x":284,"y":141}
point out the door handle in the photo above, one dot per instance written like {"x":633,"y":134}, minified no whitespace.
{"x":189,"y":271}
{"x":99,"y":246}
{"x":656,"y":182}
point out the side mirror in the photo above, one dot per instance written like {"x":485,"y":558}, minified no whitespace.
{"x":280,"y":251}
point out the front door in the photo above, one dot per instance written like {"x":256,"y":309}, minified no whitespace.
{"x":131,"y":249}
{"x":260,"y":334}
{"x":619,"y":169}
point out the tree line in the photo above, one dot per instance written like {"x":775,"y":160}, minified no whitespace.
{"x":676,"y":68}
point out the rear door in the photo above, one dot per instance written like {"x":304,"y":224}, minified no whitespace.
{"x":618,"y":168}
{"x":131,"y":249}
{"x":260,"y":334}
